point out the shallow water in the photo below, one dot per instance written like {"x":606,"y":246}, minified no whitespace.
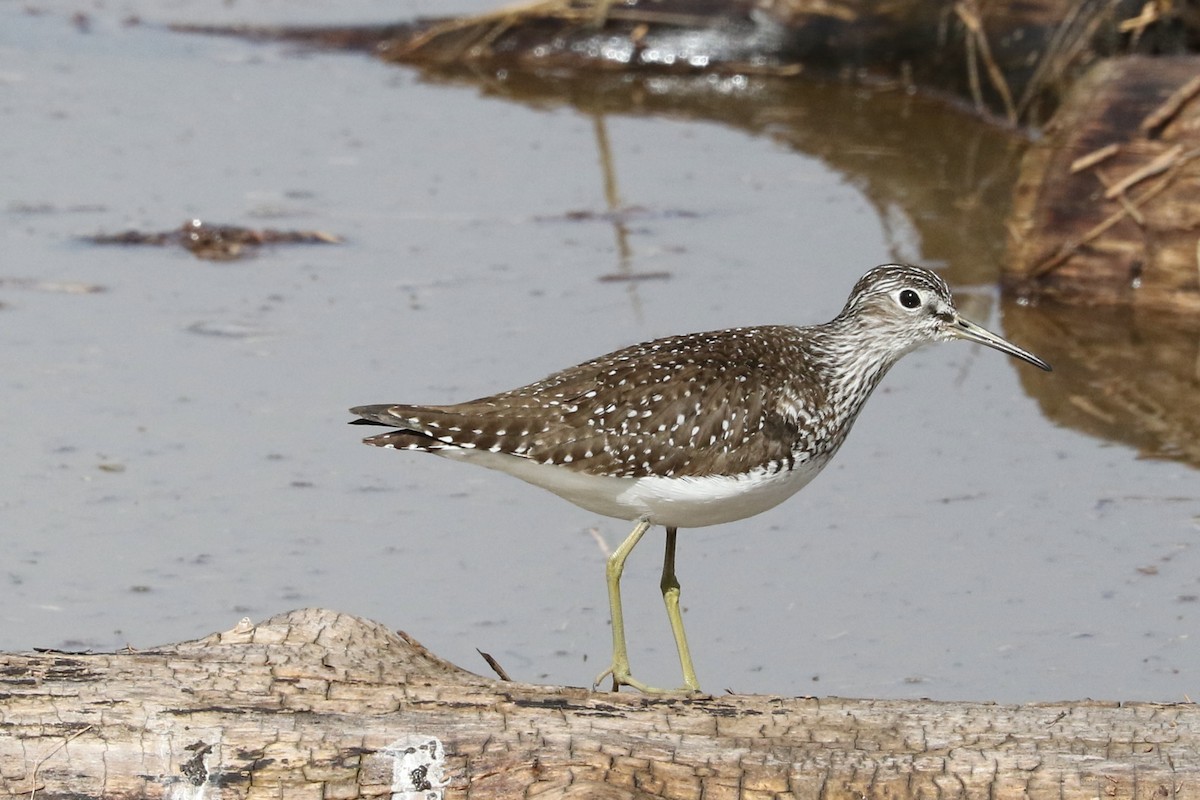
{"x":175,"y":443}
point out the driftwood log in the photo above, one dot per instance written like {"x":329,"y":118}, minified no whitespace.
{"x":1011,"y":59}
{"x":315,"y":704}
{"x":1007,"y":60}
{"x":1107,"y":207}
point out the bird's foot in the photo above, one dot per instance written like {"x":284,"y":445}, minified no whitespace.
{"x":621,"y":677}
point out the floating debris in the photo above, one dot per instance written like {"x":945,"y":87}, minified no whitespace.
{"x":226,"y":330}
{"x":49,"y":208}
{"x":59,"y":287}
{"x":630,"y":277}
{"x":620,"y":215}
{"x":215,"y":242}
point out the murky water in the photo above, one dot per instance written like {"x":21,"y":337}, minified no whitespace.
{"x":175,"y":448}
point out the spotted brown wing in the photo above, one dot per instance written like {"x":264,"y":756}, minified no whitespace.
{"x":683,"y":406}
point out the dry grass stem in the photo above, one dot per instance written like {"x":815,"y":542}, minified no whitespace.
{"x":969,"y":16}
{"x":1159,"y":117}
{"x":1158,"y":165}
{"x":36,"y":767}
{"x":1095,"y":157}
{"x":1067,"y":249}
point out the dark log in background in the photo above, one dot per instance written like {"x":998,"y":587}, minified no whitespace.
{"x":1010,"y":59}
{"x":1080,"y":234}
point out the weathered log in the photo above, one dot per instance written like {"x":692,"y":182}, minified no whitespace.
{"x":1010,"y":59}
{"x":319,"y":704}
{"x":1107,"y":208}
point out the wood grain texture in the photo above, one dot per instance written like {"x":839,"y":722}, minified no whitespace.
{"x":316,"y":704}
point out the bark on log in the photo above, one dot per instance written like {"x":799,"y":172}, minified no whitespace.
{"x":1107,"y":208}
{"x":323,"y":705}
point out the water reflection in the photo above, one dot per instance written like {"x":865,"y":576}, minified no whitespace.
{"x":614,"y":206}
{"x":1124,"y":376}
{"x":946,"y":180}
{"x":942,"y":175}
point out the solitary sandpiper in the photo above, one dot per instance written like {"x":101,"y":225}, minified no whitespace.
{"x":693,"y":430}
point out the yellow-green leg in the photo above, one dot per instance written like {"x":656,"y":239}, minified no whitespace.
{"x":670,"y":593}
{"x":619,"y":669}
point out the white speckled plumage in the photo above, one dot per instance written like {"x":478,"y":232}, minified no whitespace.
{"x":699,"y":429}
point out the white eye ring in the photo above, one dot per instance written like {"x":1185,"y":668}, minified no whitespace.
{"x":909,"y":298}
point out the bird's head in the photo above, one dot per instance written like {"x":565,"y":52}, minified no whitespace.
{"x":896,"y":308}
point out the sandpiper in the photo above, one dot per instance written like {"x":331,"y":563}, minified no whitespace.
{"x":693,"y":430}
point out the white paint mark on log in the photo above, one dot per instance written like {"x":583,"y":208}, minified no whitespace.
{"x":182,"y":790}
{"x":417,"y":768}
{"x":194,"y":776}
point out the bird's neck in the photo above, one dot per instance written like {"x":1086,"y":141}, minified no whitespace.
{"x":855,"y":362}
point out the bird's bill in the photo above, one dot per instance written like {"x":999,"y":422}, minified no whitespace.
{"x":965,"y":329}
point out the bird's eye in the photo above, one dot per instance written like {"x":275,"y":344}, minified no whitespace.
{"x":909,"y":298}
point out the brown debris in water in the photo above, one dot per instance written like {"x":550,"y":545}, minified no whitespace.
{"x":215,"y":242}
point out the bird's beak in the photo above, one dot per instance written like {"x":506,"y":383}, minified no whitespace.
{"x":965,"y":329}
